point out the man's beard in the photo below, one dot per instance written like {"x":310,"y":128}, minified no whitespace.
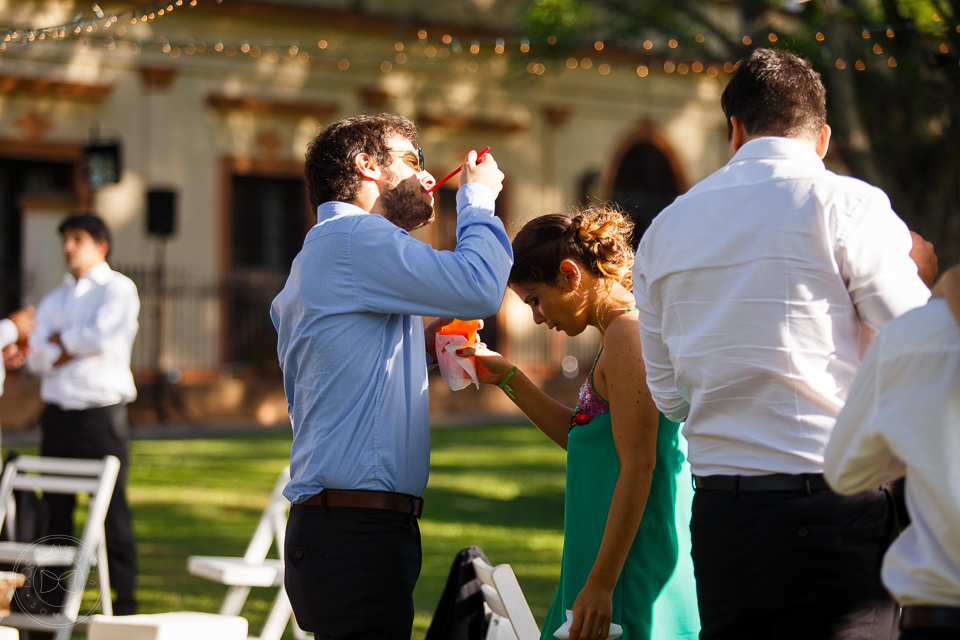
{"x":404,"y":205}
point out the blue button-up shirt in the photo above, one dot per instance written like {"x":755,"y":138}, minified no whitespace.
{"x":351,"y":339}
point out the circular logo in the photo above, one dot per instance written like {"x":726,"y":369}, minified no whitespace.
{"x":49,"y":567}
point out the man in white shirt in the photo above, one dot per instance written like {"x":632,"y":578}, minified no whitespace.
{"x":81,"y":346}
{"x":903,"y":418}
{"x":753,"y":289}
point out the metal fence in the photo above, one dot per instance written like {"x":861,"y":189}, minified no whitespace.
{"x":192,"y":320}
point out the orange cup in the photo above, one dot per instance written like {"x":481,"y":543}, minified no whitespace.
{"x":466,"y":328}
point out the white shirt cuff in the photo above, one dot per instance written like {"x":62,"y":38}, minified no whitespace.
{"x":8,"y":332}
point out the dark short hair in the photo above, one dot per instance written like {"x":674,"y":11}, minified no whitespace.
{"x":775,"y":92}
{"x":329,"y":170}
{"x":89,"y":223}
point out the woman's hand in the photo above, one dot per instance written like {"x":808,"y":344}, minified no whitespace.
{"x":430,"y":334}
{"x":492,"y":368}
{"x":592,"y":613}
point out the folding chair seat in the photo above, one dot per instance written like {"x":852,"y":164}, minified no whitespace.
{"x":254,"y":569}
{"x":180,"y":625}
{"x":511,"y":618}
{"x":67,"y":476}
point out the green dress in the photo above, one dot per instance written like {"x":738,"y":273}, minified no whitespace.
{"x":655,"y":596}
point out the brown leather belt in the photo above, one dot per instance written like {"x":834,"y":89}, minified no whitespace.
{"x":773,"y":482}
{"x":929,"y":617}
{"x":364,"y":499}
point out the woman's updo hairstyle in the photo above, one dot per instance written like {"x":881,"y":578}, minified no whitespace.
{"x":598,"y":239}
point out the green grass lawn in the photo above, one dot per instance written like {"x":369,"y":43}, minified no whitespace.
{"x":500,"y":488}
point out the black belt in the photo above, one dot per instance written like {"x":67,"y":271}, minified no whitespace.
{"x":773,"y":482}
{"x":364,"y":499}
{"x":929,"y":617}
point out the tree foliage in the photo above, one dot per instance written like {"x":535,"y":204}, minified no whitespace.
{"x":891,"y":68}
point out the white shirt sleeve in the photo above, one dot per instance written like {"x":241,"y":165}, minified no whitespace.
{"x":115,"y":316}
{"x":8,"y":332}
{"x":661,"y":377}
{"x":873,"y":253}
{"x":857,"y":456}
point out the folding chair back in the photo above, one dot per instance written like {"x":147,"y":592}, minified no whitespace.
{"x":66,"y":476}
{"x":254,"y":569}
{"x":511,"y":617}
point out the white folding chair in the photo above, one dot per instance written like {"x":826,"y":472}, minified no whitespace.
{"x":254,"y":569}
{"x":511,"y":618}
{"x":60,"y":475}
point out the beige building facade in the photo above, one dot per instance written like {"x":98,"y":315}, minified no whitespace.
{"x":213,"y":105}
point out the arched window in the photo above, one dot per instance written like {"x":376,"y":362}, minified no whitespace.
{"x":645,"y":182}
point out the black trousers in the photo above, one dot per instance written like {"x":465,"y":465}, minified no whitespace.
{"x":94,"y":433}
{"x":788,"y":565}
{"x":350,"y":573}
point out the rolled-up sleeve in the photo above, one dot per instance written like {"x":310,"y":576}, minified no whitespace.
{"x":8,"y":332}
{"x":661,"y":377}
{"x":395,"y":273}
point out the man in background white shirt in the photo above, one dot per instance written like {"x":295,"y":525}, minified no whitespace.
{"x":81,"y":346}
{"x":903,"y":418}
{"x":752,"y":288}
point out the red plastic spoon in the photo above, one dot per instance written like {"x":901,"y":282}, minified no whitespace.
{"x":456,"y":171}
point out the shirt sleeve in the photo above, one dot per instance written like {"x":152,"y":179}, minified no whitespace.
{"x":43,"y":354}
{"x":661,"y":377}
{"x":857,"y":456}
{"x":873,"y":253}
{"x":395,"y":273}
{"x":8,"y":332}
{"x":114,"y":317}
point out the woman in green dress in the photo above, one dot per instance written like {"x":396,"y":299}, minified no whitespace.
{"x":626,"y":549}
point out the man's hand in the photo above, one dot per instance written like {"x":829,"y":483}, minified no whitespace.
{"x":64,"y":356}
{"x":923,"y":254}
{"x":482,"y":171}
{"x":25,"y":320}
{"x":430,"y":335}
{"x":14,"y":356}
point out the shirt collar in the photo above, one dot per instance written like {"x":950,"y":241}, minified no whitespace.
{"x":98,"y":273}
{"x":771,"y":147}
{"x":335,"y":209}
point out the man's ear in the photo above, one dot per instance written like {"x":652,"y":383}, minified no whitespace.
{"x":570,"y":274}
{"x":823,"y":141}
{"x":366,"y":167}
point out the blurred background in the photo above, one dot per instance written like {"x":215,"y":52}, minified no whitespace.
{"x":184,"y":125}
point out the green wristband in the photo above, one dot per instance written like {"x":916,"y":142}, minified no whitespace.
{"x":506,"y":387}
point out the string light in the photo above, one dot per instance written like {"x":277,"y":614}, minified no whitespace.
{"x":403,"y":53}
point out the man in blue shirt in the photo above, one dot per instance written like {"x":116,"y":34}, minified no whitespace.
{"x":354,"y":353}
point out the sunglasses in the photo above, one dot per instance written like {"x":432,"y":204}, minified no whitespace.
{"x":411,"y":159}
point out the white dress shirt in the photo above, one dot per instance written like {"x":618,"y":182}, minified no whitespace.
{"x":8,"y":335}
{"x":752,"y":288}
{"x":903,"y":415}
{"x":96,"y":317}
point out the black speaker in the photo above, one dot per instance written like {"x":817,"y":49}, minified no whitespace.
{"x":161,"y":212}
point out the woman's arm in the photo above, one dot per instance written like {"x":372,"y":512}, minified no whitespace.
{"x":620,"y":377}
{"x":550,"y":416}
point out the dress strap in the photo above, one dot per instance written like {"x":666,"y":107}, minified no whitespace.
{"x":593,"y":387}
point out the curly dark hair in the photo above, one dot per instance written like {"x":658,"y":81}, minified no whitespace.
{"x":775,"y":92}
{"x":597,"y":238}
{"x":329,"y":170}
